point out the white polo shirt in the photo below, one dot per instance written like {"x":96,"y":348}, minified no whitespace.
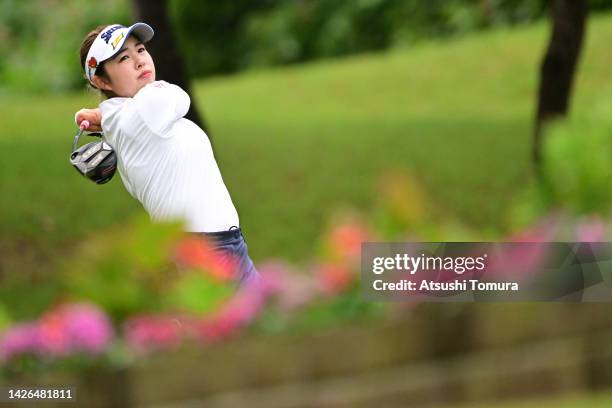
{"x":166,"y":161}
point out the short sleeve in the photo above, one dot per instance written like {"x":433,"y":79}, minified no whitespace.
{"x":160,"y":104}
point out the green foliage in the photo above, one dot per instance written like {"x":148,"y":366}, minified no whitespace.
{"x":227,"y":36}
{"x":196,"y":293}
{"x":211,"y":32}
{"x":599,"y":4}
{"x":40,"y":41}
{"x":5,"y":319}
{"x":25,"y":296}
{"x":131,"y":270}
{"x":125,"y":271}
{"x":336,"y":311}
{"x":323,"y":314}
{"x":300,"y":31}
{"x":576,"y":168}
{"x":528,"y":206}
{"x":40,"y":38}
{"x":578,"y":165}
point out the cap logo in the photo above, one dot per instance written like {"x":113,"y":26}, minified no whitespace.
{"x":116,"y":41}
{"x":92,"y":63}
{"x":106,"y":36}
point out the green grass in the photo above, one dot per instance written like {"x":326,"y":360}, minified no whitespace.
{"x":297,"y":143}
{"x":598,"y":400}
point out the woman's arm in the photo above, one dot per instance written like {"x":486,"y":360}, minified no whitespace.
{"x":93,"y":116}
{"x":160,"y":104}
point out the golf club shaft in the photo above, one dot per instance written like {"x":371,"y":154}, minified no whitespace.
{"x":84,"y":125}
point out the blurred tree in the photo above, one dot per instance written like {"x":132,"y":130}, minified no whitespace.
{"x":559,"y":65}
{"x":487,"y":11}
{"x":169,"y":62}
{"x":212,"y":32}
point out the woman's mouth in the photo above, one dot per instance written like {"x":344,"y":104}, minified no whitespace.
{"x":145,"y":75}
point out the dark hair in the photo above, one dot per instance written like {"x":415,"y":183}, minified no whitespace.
{"x":100,"y":71}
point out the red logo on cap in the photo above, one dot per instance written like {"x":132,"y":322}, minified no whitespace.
{"x":92,"y":63}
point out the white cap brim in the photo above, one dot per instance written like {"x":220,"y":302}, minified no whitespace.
{"x":109,"y":42}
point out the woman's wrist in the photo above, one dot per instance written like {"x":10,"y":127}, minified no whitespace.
{"x":93,"y":116}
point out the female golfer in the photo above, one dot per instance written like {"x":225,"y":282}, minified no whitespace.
{"x":165,"y":161}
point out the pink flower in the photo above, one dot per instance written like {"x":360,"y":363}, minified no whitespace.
{"x":197,"y":252}
{"x":65,"y":330}
{"x":77,"y":327}
{"x":529,"y":253}
{"x":345,"y":241}
{"x":89,"y":328}
{"x":590,"y":229}
{"x":518,"y":260}
{"x":55,"y":339}
{"x":241,"y":310}
{"x":273,"y":276}
{"x":20,"y":340}
{"x":333,"y":278}
{"x":291,"y":288}
{"x":150,"y":332}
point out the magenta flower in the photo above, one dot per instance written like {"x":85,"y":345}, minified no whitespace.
{"x":273,"y":276}
{"x":590,"y":229}
{"x":519,"y":261}
{"x":65,"y":330}
{"x":240,"y":310}
{"x":526,"y":258}
{"x":291,"y":288}
{"x":73,"y":328}
{"x":146,"y":333}
{"x":20,"y":340}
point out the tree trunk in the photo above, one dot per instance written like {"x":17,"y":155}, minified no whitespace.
{"x":487,"y":12}
{"x":559,"y":65}
{"x":169,"y":63}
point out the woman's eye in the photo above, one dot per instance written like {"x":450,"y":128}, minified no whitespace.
{"x":123,"y":58}
{"x":141,"y":49}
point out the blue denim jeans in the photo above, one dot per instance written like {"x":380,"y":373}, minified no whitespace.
{"x":232,"y":242}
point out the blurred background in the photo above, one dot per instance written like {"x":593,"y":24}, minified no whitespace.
{"x":334,"y":122}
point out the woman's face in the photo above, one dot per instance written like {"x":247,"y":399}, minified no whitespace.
{"x":130,"y":70}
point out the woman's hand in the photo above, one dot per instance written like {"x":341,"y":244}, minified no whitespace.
{"x":93,"y":116}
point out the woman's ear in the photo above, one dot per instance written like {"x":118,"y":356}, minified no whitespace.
{"x":101,"y":83}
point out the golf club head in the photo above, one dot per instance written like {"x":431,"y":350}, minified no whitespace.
{"x":95,"y":160}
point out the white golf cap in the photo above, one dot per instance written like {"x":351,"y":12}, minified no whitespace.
{"x":109,"y":42}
